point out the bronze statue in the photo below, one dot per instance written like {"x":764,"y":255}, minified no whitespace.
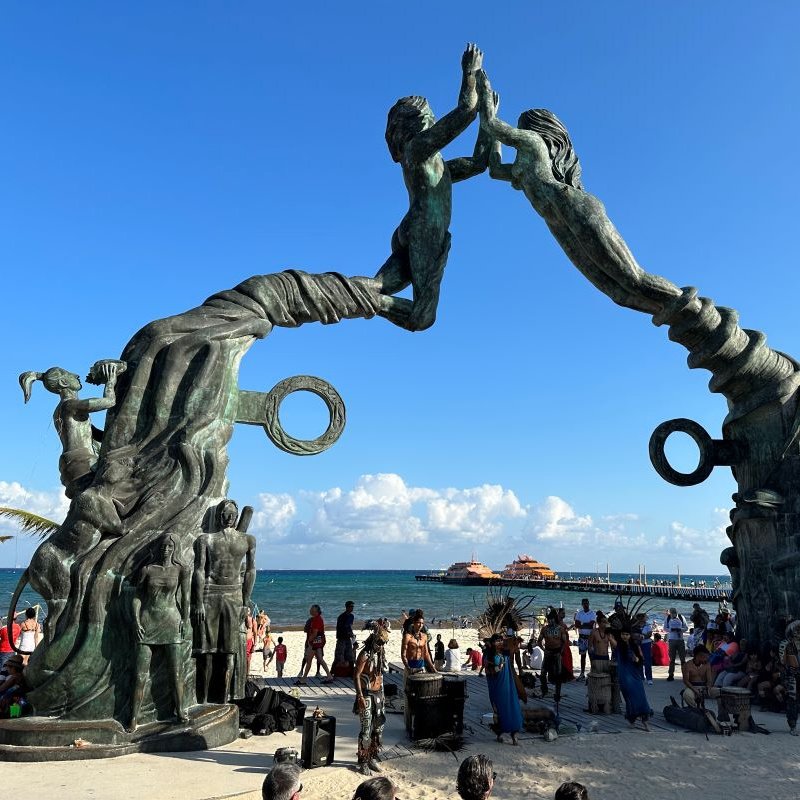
{"x":79,"y":438}
{"x":161,"y":619}
{"x":422,"y":241}
{"x":221,"y":597}
{"x":762,"y":428}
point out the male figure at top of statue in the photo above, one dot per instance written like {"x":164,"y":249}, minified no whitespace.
{"x":421,"y":242}
{"x":220,"y":596}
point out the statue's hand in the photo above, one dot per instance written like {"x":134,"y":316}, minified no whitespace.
{"x":472,"y":60}
{"x":139,"y":632}
{"x":199,"y":615}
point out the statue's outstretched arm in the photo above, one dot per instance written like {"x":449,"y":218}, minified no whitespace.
{"x":430,"y":141}
{"x":468,"y":167}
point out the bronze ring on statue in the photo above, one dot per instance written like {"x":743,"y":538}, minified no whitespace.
{"x":713,"y":452}
{"x":317,"y":386}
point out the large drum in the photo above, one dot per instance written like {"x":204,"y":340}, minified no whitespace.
{"x":428,"y":713}
{"x":734,"y":700}
{"x":424,"y":685}
{"x":454,"y":686}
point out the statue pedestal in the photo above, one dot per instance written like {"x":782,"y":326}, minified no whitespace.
{"x":52,"y":739}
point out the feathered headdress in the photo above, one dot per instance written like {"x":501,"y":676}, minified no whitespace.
{"x":503,"y":611}
{"x":625,"y":614}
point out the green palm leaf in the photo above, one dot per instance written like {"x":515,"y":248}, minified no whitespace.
{"x":29,"y":522}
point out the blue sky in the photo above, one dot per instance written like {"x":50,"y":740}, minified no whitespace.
{"x":152,"y":154}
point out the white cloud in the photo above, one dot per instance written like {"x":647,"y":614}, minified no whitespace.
{"x":383,"y":509}
{"x":685,"y":540}
{"x":274,"y":515}
{"x":53,"y":505}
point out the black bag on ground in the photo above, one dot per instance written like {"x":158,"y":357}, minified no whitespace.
{"x":289,"y":712}
{"x":692,"y":719}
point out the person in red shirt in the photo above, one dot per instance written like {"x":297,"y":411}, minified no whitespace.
{"x":315,"y":645}
{"x":280,"y":656}
{"x":474,"y":660}
{"x":660,"y":652}
{"x":6,"y":650}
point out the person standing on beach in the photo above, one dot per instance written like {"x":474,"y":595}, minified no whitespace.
{"x":280,"y":656}
{"x":315,"y":645}
{"x":676,"y":625}
{"x":438,"y":652}
{"x":370,"y":701}
{"x":584,"y":624}
{"x":415,"y":655}
{"x":344,"y":635}
{"x":599,"y":643}
{"x":553,"y":637}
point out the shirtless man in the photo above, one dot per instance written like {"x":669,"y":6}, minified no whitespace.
{"x":415,"y":656}
{"x":552,"y":637}
{"x":422,"y":241}
{"x":600,"y":641}
{"x":220,"y":597}
{"x":698,"y":678}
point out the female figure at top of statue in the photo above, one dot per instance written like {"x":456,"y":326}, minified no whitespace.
{"x":80,"y":441}
{"x":547,"y":170}
{"x":161,"y":617}
{"x":421,"y":242}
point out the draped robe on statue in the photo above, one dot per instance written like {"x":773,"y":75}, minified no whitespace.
{"x":174,"y":415}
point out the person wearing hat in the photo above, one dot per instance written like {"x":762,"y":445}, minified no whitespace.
{"x":676,"y":626}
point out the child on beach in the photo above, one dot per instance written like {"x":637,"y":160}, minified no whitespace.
{"x":280,"y":656}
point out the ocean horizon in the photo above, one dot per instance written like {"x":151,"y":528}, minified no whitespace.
{"x":286,"y":594}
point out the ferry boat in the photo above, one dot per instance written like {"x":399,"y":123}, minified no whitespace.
{"x":469,"y":573}
{"x":527,"y":568}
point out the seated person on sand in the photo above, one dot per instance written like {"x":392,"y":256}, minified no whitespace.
{"x":421,"y":242}
{"x":14,"y":684}
{"x":698,"y":678}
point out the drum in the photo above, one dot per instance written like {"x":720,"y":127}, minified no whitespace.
{"x":735,"y":700}
{"x":599,"y":687}
{"x":454,"y":686}
{"x":424,"y":685}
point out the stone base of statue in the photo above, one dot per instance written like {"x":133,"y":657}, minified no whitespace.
{"x":52,"y":739}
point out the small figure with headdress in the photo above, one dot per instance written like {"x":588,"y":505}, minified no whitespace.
{"x":370,"y":704}
{"x":79,"y":438}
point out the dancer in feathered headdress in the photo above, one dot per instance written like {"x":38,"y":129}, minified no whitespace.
{"x":504,"y":616}
{"x":629,"y":658}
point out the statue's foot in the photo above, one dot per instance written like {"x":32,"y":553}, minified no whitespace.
{"x":132,"y":725}
{"x":182,"y":717}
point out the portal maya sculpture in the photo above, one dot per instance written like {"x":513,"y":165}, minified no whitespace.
{"x":148,"y":579}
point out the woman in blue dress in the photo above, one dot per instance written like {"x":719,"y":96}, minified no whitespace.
{"x":503,"y":694}
{"x":629,"y":659}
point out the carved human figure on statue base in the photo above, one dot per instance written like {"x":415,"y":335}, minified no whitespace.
{"x":161,"y":617}
{"x":220,"y":599}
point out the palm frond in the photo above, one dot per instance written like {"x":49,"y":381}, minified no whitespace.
{"x":5,"y":538}
{"x":29,"y":522}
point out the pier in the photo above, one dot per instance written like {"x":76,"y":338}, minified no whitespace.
{"x":707,"y":593}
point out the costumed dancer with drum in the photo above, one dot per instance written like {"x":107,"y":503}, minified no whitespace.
{"x":370,"y":703}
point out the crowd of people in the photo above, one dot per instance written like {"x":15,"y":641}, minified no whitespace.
{"x":475,"y":780}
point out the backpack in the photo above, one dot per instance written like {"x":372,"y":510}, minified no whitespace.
{"x":285,"y":717}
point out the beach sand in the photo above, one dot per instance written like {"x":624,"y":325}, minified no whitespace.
{"x":615,"y":766}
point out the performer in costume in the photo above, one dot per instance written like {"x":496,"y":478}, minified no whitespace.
{"x":370,"y":703}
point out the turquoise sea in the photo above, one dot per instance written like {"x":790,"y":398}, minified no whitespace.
{"x":286,"y":595}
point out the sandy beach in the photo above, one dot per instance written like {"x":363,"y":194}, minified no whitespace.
{"x":631,"y":763}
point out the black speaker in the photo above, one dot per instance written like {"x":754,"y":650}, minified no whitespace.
{"x":319,"y":741}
